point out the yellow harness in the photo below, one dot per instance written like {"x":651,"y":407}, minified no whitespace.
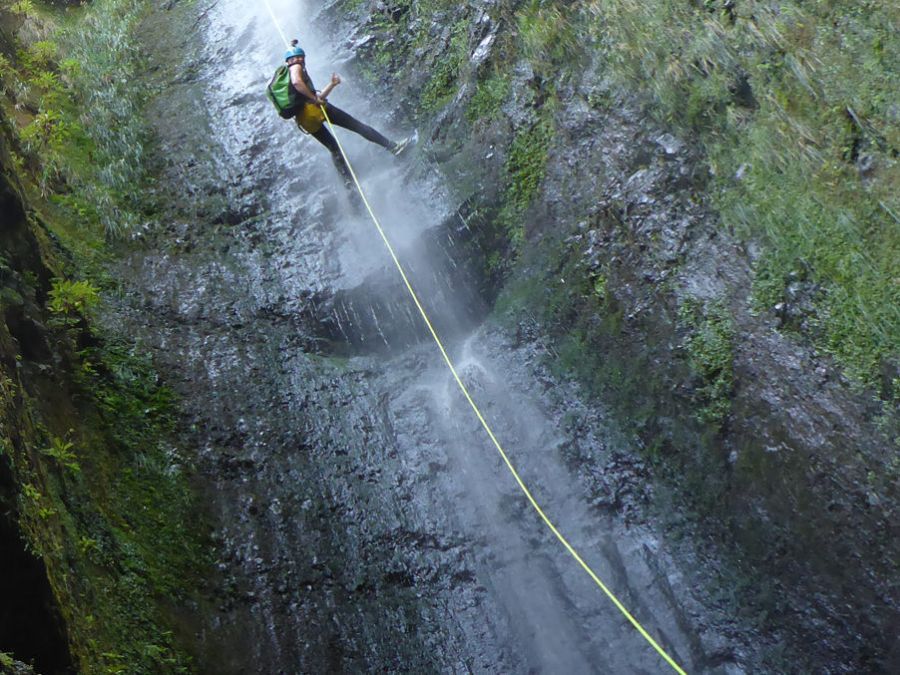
{"x":310,"y":118}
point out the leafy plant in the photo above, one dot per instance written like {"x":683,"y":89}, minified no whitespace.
{"x":710,"y":350}
{"x":599,"y":286}
{"x":22,"y":7}
{"x":7,"y":73}
{"x":72,"y":298}
{"x":46,"y":130}
{"x":524,"y":170}
{"x":62,"y":451}
{"x":41,"y":55}
{"x":88,"y":546}
{"x":71,"y":67}
{"x":31,"y":492}
{"x":45,"y":80}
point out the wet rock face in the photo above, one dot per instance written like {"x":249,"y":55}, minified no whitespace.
{"x":780,"y":456}
{"x":30,"y":626}
{"x":363,"y":522}
{"x":369,"y":319}
{"x":798,"y":458}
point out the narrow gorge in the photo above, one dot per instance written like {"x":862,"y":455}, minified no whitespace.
{"x":659,"y":242}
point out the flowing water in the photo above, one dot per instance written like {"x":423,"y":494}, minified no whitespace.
{"x":363,"y":519}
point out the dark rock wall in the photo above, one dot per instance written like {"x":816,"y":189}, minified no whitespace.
{"x":769,"y":448}
{"x":600,"y":225}
{"x":786,"y":475}
{"x":31,"y":627}
{"x":89,"y":482}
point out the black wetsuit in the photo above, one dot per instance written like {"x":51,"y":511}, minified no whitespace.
{"x":341,"y":119}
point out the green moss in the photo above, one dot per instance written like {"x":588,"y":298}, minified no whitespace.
{"x":442,"y":85}
{"x":709,"y":346}
{"x":490,"y":94}
{"x":798,"y":100}
{"x":113,"y":515}
{"x":105,"y":497}
{"x":525,"y":168}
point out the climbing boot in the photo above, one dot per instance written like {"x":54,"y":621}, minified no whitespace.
{"x":402,"y":147}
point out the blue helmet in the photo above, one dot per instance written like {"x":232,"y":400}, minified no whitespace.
{"x":295,"y":50}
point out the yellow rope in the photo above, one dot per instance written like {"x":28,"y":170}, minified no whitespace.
{"x":634,"y":622}
{"x":277,"y":24}
{"x":609,"y":594}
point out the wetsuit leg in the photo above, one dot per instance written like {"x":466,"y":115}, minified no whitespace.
{"x":342,"y":119}
{"x":325,"y":138}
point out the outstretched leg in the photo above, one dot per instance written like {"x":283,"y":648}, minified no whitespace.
{"x":342,"y":119}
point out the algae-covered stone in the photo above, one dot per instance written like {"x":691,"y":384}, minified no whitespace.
{"x":9,"y":666}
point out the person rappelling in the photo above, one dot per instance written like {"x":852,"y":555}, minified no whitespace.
{"x":294,"y":95}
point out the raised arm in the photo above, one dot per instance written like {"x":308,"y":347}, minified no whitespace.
{"x":335,"y":81}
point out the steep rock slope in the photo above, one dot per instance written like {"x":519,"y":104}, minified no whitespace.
{"x":30,"y":621}
{"x":99,"y":540}
{"x":589,"y":216}
{"x":606,"y":227}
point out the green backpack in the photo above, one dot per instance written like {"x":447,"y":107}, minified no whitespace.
{"x":282,"y":93}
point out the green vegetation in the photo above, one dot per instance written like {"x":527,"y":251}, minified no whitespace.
{"x":23,"y":7}
{"x":490,"y":94}
{"x":796,"y":104}
{"x":709,"y":345}
{"x":600,"y":286}
{"x":545,"y":37}
{"x":72,"y":299}
{"x":61,"y":451}
{"x":402,"y":28}
{"x":115,"y":520}
{"x":796,"y":107}
{"x":104,"y":494}
{"x":442,"y":84}
{"x":525,"y":167}
{"x":9,"y":666}
{"x":55,"y":82}
{"x":551,"y":38}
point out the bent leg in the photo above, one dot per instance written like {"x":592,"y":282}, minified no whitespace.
{"x":346,"y":120}
{"x":325,"y":138}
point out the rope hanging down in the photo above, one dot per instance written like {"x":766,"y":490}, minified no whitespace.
{"x":465,"y":391}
